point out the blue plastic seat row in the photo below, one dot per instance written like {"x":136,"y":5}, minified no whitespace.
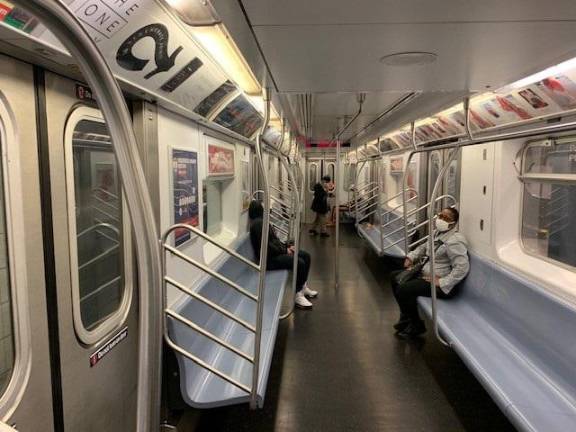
{"x":392,"y":234}
{"x":517,"y":339}
{"x":201,"y":388}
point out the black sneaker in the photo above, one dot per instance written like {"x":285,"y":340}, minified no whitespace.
{"x":324,"y":235}
{"x":402,"y":323}
{"x":413,"y":330}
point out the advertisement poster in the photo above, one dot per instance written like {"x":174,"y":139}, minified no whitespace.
{"x":185,"y":192}
{"x":220,"y":161}
{"x":240,"y":116}
{"x":396,"y":165}
{"x":561,"y":89}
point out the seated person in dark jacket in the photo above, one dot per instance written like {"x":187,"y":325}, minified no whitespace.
{"x":281,"y":256}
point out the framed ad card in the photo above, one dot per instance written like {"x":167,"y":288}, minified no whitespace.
{"x":220,"y":160}
{"x":184,"y":165}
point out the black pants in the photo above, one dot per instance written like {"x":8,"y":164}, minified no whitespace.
{"x":406,"y":295}
{"x":285,"y":262}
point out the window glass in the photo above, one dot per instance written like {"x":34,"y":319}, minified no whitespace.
{"x":548,"y":228}
{"x":331,"y":172}
{"x":6,"y":330}
{"x":99,"y":229}
{"x":212,"y":207}
{"x":312,"y":175}
{"x":551,"y":158}
{"x":451,"y":180}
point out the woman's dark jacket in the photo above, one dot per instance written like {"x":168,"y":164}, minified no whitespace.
{"x":320,"y":201}
{"x":275,"y":246}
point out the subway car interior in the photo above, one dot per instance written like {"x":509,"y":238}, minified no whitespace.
{"x":266,"y":215}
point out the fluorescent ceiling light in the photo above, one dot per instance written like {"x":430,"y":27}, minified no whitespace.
{"x":258,"y":103}
{"x":195,"y":12}
{"x":218,"y":43}
{"x":551,"y":71}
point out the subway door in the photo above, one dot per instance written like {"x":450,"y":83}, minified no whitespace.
{"x":25,"y":376}
{"x":313,"y":175}
{"x":94,"y":268}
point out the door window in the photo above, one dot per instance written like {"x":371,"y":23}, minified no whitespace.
{"x":549,"y":203}
{"x":99,"y":247}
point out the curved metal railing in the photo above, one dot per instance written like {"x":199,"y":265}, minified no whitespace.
{"x":56,"y":16}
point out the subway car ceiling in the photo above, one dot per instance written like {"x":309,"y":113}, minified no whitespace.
{"x":210,"y":61}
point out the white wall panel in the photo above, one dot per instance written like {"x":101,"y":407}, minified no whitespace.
{"x":476,"y":193}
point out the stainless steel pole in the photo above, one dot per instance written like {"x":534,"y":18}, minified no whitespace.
{"x":263,"y":252}
{"x":60,"y":20}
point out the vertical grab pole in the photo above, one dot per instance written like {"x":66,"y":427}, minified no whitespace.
{"x":57,"y":17}
{"x":405,"y":186}
{"x":431,"y":211}
{"x":337,"y":204}
{"x":380,"y":169}
{"x":292,"y":179}
{"x":263,"y":252}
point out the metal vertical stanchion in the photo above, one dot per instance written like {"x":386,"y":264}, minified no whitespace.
{"x":361,"y":98}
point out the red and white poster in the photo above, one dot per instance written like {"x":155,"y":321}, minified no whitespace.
{"x":220,"y":160}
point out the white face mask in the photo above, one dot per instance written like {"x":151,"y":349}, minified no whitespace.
{"x":442,"y":225}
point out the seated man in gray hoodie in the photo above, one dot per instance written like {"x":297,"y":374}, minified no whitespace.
{"x":451,"y":266}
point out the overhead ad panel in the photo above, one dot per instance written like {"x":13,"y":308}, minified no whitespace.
{"x":149,"y":48}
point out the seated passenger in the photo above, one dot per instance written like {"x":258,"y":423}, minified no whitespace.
{"x":281,"y":256}
{"x":451,"y":267}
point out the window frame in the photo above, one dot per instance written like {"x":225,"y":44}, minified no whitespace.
{"x":541,"y":178}
{"x":115,"y":320}
{"x":11,"y":183}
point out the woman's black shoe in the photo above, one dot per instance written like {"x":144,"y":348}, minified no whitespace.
{"x":313,"y":232}
{"x":413,"y":330}
{"x":402,"y":323}
{"x":324,"y":235}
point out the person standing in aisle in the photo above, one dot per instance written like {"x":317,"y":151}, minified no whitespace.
{"x":320,"y":207}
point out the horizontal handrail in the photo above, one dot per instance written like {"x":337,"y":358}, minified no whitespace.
{"x":364,"y":216}
{"x":391,"y":210}
{"x":211,"y":272}
{"x":98,"y":226}
{"x":209,"y":239}
{"x":368,"y":191}
{"x":106,"y":203}
{"x":366,"y":206}
{"x":209,"y":303}
{"x":98,"y":257}
{"x":105,"y":192}
{"x":100,"y":288}
{"x":205,"y":365}
{"x":427,"y":205}
{"x":207,"y":334}
{"x":105,"y":213}
{"x":399,"y":194}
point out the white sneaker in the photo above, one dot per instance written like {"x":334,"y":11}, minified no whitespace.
{"x":301,"y":301}
{"x":309,"y":292}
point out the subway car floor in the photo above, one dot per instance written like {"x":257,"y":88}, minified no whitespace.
{"x":340,"y":367}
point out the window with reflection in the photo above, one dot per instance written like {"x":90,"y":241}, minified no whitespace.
{"x":549,"y":204}
{"x":99,"y":228}
{"x":213,"y":220}
{"x":312,"y":175}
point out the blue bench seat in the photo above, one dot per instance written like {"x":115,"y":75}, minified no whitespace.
{"x":517,"y":339}
{"x":201,"y":388}
{"x":392,"y":234}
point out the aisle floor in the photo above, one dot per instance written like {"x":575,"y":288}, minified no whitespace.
{"x":340,"y":368}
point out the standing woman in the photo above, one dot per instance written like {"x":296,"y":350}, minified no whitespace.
{"x":320,"y":207}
